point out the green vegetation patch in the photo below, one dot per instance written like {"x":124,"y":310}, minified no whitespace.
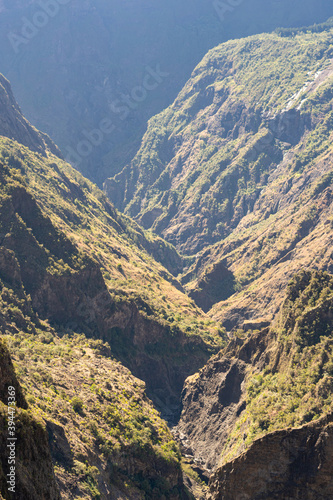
{"x":297,"y":385}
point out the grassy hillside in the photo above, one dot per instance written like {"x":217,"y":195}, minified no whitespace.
{"x":80,"y":296}
{"x":295,"y":386}
{"x":238,"y":171}
{"x":105,"y":436}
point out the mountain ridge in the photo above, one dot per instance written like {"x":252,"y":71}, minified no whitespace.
{"x":102,"y":335}
{"x":80,"y":297}
{"x":14,"y":126}
{"x":242,"y":156}
{"x":47,"y":57}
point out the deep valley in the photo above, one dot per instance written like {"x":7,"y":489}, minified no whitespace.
{"x":170,"y":336}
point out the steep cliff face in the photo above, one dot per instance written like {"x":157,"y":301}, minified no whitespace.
{"x":238,"y":171}
{"x":34,"y":476}
{"x":16,"y":127}
{"x":214,"y":400}
{"x":294,"y":463}
{"x":211,"y":406}
{"x":263,"y":382}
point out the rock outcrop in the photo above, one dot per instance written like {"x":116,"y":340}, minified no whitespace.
{"x":284,"y":465}
{"x":16,"y":127}
{"x":214,"y":399}
{"x":34,"y":476}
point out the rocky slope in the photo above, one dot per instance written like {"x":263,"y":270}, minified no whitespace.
{"x":294,"y":463}
{"x":16,"y":127}
{"x":240,"y":411}
{"x":73,"y":269}
{"x":75,"y":64}
{"x":238,"y":172}
{"x":34,"y":476}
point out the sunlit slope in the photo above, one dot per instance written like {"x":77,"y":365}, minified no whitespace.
{"x":259,"y":389}
{"x":80,"y":297}
{"x":238,"y":171}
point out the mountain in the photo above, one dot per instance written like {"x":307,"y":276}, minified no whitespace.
{"x":14,"y":125}
{"x":92,"y":73}
{"x":258,"y":416}
{"x":34,"y":476}
{"x":125,"y":387}
{"x":81,"y":297}
{"x":243,"y":155}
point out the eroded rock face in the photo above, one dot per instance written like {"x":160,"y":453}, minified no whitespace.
{"x":217,"y":284}
{"x":16,"y":127}
{"x":211,"y":405}
{"x":284,"y":465}
{"x":35,"y":478}
{"x":289,"y":126}
{"x":214,"y":399}
{"x":235,"y":408}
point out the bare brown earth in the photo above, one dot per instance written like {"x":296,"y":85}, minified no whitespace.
{"x":214,"y":399}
